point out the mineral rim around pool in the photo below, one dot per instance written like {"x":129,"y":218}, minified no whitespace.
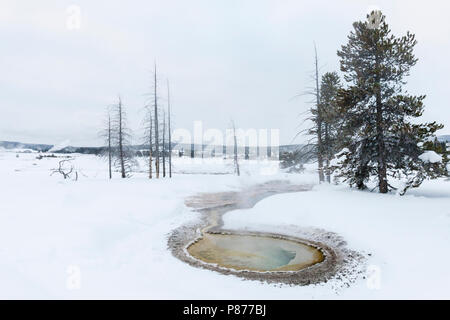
{"x":255,"y":253}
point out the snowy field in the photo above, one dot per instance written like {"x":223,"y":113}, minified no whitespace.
{"x":95,"y":238}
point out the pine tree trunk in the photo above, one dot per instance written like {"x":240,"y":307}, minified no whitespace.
{"x":382,"y":177}
{"x":327,"y":153}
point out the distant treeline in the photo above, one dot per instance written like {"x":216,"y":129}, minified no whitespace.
{"x":140,"y":150}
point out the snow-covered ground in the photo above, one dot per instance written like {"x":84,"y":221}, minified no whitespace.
{"x":95,"y":238}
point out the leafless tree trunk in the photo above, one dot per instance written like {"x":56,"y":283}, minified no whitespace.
{"x":236,"y":162}
{"x":150,"y":142}
{"x":170,"y":132}
{"x":123,"y":155}
{"x":155,"y":105}
{"x":109,"y":146}
{"x":319,"y":120}
{"x":164,"y":144}
{"x":107,"y":134}
{"x":120,"y":137}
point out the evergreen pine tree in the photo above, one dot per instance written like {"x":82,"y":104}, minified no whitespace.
{"x":330,"y":85}
{"x":382,"y":140}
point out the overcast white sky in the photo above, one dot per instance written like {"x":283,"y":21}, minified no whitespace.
{"x":225,"y":59}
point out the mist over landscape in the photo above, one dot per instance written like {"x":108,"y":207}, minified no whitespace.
{"x":224,"y":60}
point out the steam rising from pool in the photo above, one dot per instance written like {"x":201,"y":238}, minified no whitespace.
{"x":255,"y":253}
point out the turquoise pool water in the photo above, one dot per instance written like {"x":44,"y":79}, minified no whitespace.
{"x":257,"y":253}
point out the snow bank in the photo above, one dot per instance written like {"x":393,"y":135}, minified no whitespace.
{"x":112,"y":235}
{"x":406,"y":237}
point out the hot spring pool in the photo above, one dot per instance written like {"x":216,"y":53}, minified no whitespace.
{"x":255,"y":253}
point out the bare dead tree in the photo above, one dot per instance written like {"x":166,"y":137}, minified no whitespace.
{"x":318,"y":119}
{"x":148,"y":137}
{"x":157,"y":132}
{"x":150,"y":147}
{"x":313,"y":148}
{"x":66,"y":169}
{"x":106,"y":134}
{"x":164,"y":144}
{"x":155,"y":106}
{"x":122,"y":138}
{"x":109,"y":146}
{"x":170,"y":131}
